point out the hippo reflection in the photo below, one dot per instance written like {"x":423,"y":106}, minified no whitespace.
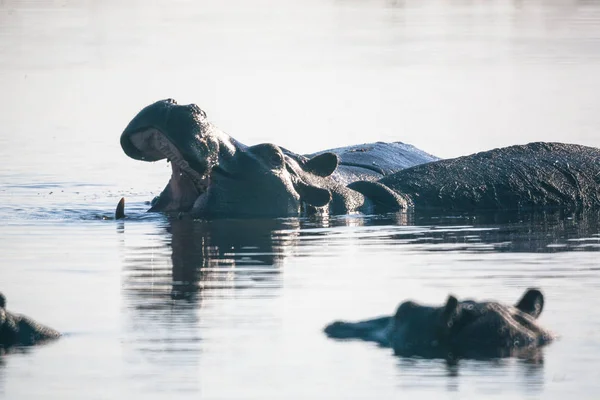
{"x":465,"y":329}
{"x":193,"y":255}
{"x":19,"y":330}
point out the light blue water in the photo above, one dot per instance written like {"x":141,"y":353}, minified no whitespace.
{"x":235,"y":309}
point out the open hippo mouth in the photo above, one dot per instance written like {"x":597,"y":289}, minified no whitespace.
{"x":181,"y":135}
{"x":186,"y":185}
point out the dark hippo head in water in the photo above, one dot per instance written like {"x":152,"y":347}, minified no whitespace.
{"x":215,"y":175}
{"x":19,"y":330}
{"x":458,"y":329}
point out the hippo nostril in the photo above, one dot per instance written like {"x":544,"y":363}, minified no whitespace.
{"x":171,"y":101}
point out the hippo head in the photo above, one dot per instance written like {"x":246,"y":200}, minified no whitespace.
{"x":215,"y":175}
{"x":468,"y":328}
{"x":259,"y":181}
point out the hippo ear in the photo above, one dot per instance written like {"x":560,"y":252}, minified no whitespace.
{"x":531,"y":303}
{"x":322,"y":164}
{"x":2,"y":301}
{"x":313,"y":195}
{"x":384,"y":198}
{"x":449,"y":315}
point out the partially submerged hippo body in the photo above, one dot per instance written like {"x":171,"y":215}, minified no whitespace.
{"x":373,"y":161}
{"x":533,"y":176}
{"x":214,"y":175}
{"x":465,"y":329}
{"x":18,"y":330}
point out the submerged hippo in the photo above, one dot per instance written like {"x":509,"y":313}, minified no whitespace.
{"x":19,"y":330}
{"x":214,"y":175}
{"x":465,"y":329}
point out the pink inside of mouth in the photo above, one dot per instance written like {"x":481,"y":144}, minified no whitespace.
{"x":187,"y":186}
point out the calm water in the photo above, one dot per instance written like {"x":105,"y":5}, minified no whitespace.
{"x":235,"y":309}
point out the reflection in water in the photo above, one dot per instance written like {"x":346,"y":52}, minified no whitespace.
{"x":193,"y":282}
{"x":513,"y":232}
{"x":2,"y":366}
{"x":247,"y":253}
{"x":238,"y":254}
{"x":495,"y":373}
{"x":212,"y":254}
{"x":166,"y":275}
{"x":548,"y":231}
{"x":209,"y":254}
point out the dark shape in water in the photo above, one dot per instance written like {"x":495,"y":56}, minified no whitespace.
{"x":202,"y":254}
{"x":120,"y":211}
{"x":18,"y":330}
{"x":523,"y":177}
{"x":465,"y":329}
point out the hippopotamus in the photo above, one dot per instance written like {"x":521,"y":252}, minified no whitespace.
{"x":18,"y":330}
{"x":457,"y":329}
{"x":533,"y":176}
{"x":214,"y":175}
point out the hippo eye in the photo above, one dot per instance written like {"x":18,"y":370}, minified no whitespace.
{"x":276,"y":159}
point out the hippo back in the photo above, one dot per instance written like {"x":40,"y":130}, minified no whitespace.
{"x":374,"y":160}
{"x":532,"y":176}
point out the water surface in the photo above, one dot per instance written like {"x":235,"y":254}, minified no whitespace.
{"x":230,"y":309}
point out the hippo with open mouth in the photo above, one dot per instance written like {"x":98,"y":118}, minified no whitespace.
{"x":458,"y":329}
{"x":214,"y":175}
